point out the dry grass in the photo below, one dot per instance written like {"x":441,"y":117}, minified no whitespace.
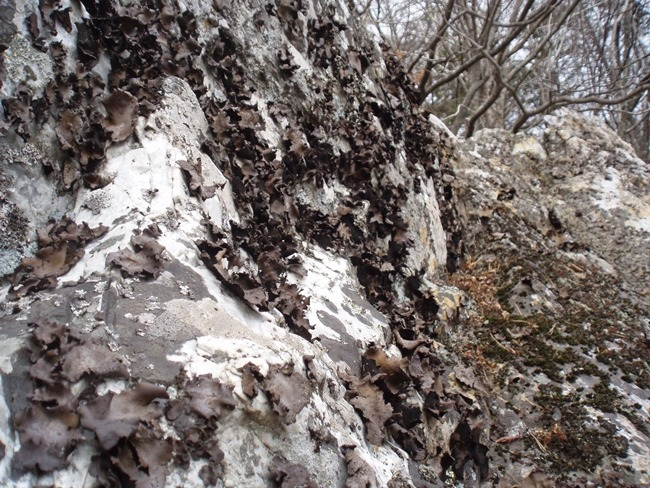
{"x":480,"y":280}
{"x":554,"y":434}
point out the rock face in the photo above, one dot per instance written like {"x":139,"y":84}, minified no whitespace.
{"x":229,"y":233}
{"x":557,"y":260}
{"x":250,"y":299}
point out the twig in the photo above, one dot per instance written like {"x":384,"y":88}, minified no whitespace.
{"x":508,"y":349}
{"x":539,"y":444}
{"x":508,"y":439}
{"x":520,"y":321}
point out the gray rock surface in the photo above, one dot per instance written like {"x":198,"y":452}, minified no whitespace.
{"x":557,"y":260}
{"x":587,"y":184}
{"x":169,"y":365}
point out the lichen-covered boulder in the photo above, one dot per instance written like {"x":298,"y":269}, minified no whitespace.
{"x":230,"y":229}
{"x":558,"y":251}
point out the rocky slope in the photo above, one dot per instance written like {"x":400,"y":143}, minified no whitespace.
{"x":557,"y":260}
{"x":229,"y":238}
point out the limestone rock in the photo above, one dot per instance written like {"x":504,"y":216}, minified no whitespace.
{"x":557,"y":262}
{"x":271,"y":209}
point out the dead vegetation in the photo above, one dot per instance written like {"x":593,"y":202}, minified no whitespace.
{"x":514,"y":352}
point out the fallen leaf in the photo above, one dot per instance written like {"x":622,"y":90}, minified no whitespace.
{"x":116,"y":416}
{"x":93,"y":358}
{"x":289,"y":475}
{"x":288,"y":390}
{"x":122,"y":111}
{"x":209,"y":397}
{"x":47,"y":436}
{"x":147,"y":260}
{"x":144,"y":458}
{"x":68,"y":129}
{"x":359,"y":472}
{"x":60,"y":247}
{"x":369,"y":400}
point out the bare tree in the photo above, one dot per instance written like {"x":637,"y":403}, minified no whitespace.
{"x":504,"y":63}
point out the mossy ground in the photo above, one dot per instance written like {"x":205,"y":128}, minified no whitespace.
{"x":579,"y":351}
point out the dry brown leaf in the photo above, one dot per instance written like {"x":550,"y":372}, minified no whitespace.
{"x":122,"y":111}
